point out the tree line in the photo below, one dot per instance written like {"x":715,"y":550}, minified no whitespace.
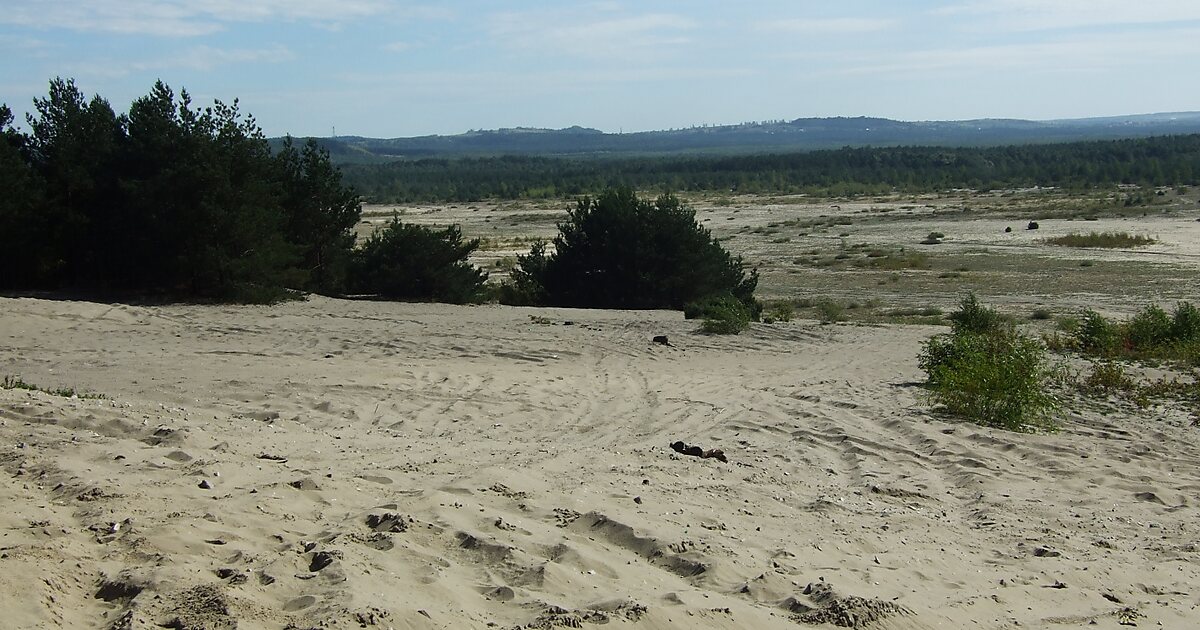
{"x":182,"y":202}
{"x":179,"y":201}
{"x":1157,"y":161}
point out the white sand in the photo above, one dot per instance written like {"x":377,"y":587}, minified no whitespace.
{"x":513,"y":451}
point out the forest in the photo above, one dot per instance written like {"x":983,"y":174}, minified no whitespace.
{"x":1156,"y":161}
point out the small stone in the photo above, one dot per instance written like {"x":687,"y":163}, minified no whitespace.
{"x":637,"y":500}
{"x":1045,"y":552}
{"x":205,"y":485}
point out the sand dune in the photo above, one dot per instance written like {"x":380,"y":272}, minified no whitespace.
{"x":351,"y":464}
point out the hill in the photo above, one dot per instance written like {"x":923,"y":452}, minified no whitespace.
{"x":801,"y":134}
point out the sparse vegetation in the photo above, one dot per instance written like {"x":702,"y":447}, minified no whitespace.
{"x":831,"y":312}
{"x":779,"y":312}
{"x":16,"y":382}
{"x":1150,"y":334}
{"x":1110,"y":240}
{"x":1107,"y":378}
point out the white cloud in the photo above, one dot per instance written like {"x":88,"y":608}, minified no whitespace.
{"x":1092,"y":53}
{"x":826,"y":26}
{"x":575,"y":34}
{"x":189,"y":18}
{"x":198,"y":58}
{"x":1033,"y":15}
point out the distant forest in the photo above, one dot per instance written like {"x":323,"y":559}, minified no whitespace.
{"x":1157,"y":161}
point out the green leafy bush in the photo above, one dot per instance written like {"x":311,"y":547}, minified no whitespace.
{"x":1095,"y":334}
{"x":998,"y":379}
{"x":620,"y":251}
{"x":725,"y":316}
{"x":413,"y":262}
{"x":1185,"y":323}
{"x":1150,"y":327}
{"x":1149,"y":334}
{"x":524,"y":286}
{"x":985,"y":371}
{"x":973,"y":317}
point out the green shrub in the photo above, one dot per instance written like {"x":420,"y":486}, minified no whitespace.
{"x":997,"y":378}
{"x":1151,"y":327}
{"x":974,"y":318}
{"x":1150,"y":334}
{"x":524,"y":286}
{"x":1095,"y":334}
{"x":620,"y":251}
{"x":725,"y":316}
{"x":413,"y":262}
{"x":831,"y":312}
{"x":1185,"y":323}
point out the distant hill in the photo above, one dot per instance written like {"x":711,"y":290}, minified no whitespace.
{"x":801,"y":134}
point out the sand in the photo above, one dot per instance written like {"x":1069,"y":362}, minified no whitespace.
{"x":336,"y":464}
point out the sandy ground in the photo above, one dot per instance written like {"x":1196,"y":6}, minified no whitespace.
{"x":334,"y":464}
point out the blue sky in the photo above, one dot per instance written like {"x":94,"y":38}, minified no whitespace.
{"x":392,"y":68}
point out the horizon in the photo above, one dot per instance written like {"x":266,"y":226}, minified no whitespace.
{"x":390,"y":69}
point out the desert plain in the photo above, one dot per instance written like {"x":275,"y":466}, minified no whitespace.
{"x":334,"y":463}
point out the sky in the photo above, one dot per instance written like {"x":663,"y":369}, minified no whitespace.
{"x":393,"y":68}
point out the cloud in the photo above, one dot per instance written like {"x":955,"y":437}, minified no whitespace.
{"x":190,"y":18}
{"x":1094,"y":53}
{"x":1034,"y":15}
{"x":826,"y":26}
{"x":572,"y":33}
{"x":197,"y":58}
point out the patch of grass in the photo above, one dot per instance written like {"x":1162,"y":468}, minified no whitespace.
{"x":779,"y":312}
{"x":831,"y":312}
{"x":1102,"y":239}
{"x":1040,"y":314}
{"x":16,"y":382}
